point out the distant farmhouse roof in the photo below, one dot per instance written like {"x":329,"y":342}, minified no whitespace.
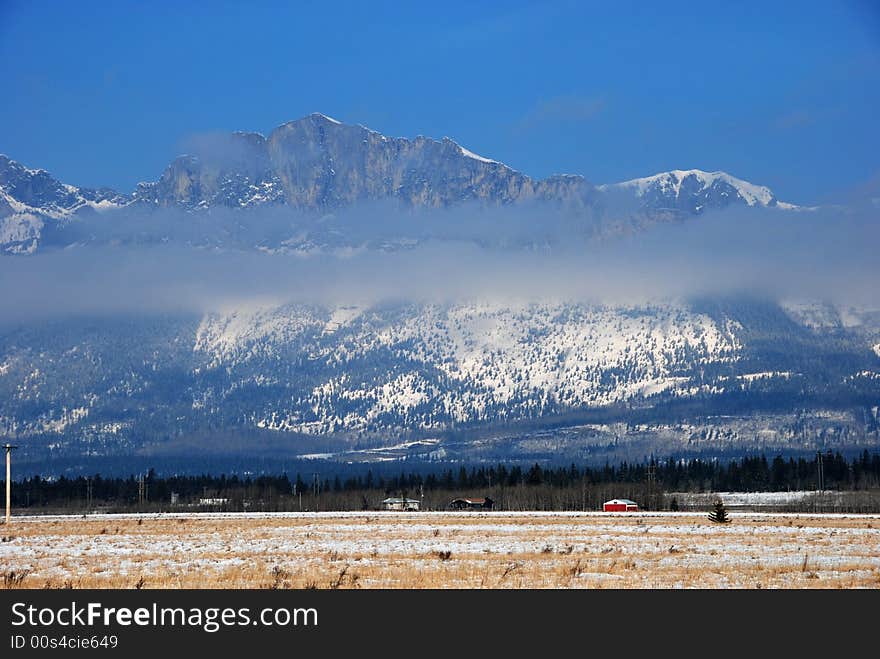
{"x":398,"y":503}
{"x":624,"y":501}
{"x":472,"y":503}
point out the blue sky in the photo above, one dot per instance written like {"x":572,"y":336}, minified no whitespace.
{"x":779,"y":93}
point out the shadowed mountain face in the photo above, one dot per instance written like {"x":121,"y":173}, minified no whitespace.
{"x":475,"y":381}
{"x":31,"y":200}
{"x":22,"y":188}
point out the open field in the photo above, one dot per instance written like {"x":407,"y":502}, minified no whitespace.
{"x":441,"y":550}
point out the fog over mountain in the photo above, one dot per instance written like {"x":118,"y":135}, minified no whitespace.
{"x":826,"y":256}
{"x":340,"y":291}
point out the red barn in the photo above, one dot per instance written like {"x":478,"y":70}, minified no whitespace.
{"x":620,"y":506}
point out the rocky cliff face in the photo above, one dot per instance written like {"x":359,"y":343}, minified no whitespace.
{"x":319,"y":164}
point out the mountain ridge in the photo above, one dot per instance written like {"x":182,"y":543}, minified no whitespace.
{"x":318,"y":118}
{"x":318,"y":165}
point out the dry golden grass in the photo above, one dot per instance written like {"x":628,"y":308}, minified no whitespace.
{"x":429,"y":550}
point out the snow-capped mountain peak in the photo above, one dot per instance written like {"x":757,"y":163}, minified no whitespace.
{"x":752,"y":194}
{"x":695,"y":190}
{"x":319,"y":115}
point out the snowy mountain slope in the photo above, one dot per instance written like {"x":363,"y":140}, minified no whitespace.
{"x":24,"y":190}
{"x":20,"y":233}
{"x":380,"y":374}
{"x":31,"y":200}
{"x":695,"y":191}
{"x":476,"y":362}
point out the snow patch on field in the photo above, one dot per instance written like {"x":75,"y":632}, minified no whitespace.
{"x":593,"y":546}
{"x":765,"y":498}
{"x":409,"y":517}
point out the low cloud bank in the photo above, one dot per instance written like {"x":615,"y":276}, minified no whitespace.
{"x":828,"y":255}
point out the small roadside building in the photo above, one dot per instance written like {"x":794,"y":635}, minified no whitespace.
{"x":476,"y":503}
{"x":620,"y":506}
{"x":398,"y":503}
{"x":213,"y":501}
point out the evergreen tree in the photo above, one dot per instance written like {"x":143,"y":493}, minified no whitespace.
{"x":719,"y":514}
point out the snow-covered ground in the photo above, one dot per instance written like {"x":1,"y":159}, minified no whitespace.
{"x":765,"y":498}
{"x":440,"y":514}
{"x":442,"y":549}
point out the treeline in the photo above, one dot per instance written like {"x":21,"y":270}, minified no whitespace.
{"x":513,"y":487}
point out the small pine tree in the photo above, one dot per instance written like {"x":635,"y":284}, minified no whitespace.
{"x":719,"y":514}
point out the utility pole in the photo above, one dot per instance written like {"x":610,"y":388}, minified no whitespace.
{"x":88,"y":493}
{"x":298,"y":492}
{"x":316,"y":487}
{"x":9,"y":448}
{"x":821,"y":471}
